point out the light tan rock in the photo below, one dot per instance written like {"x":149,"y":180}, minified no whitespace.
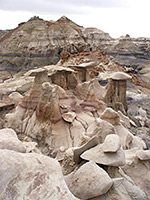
{"x":125,"y":136}
{"x":14,"y":84}
{"x":143,"y":154}
{"x":111,"y":143}
{"x":82,"y":89}
{"x":142,"y":113}
{"x":34,"y":72}
{"x":86,"y":118}
{"x":6,"y":103}
{"x":111,"y":116}
{"x":133,"y":191}
{"x":97,"y":155}
{"x":9,"y":140}
{"x":89,"y":181}
{"x":77,"y":133}
{"x":91,"y":102}
{"x":124,"y":119}
{"x":68,"y":164}
{"x":58,"y":138}
{"x":69,"y":116}
{"x":30,"y":147}
{"x":16,"y":97}
{"x":86,"y":65}
{"x":31,"y":176}
{"x":138,"y":143}
{"x":120,"y":76}
{"x":100,"y":128}
{"x":127,"y":139}
{"x":138,"y":170}
{"x":14,"y":120}
{"x":123,"y":189}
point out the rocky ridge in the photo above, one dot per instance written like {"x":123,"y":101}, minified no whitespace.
{"x":36,"y":43}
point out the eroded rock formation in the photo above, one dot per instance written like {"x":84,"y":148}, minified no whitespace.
{"x":65,"y":115}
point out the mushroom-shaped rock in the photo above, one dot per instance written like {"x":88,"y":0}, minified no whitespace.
{"x":110,"y":159}
{"x":120,"y":76}
{"x":143,"y":154}
{"x":62,"y":76}
{"x":89,"y":181}
{"x":111,"y":143}
{"x":111,"y":116}
{"x":31,"y":176}
{"x":116,"y":91}
{"x":34,"y":72}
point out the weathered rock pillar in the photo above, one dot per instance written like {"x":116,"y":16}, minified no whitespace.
{"x":116,"y":91}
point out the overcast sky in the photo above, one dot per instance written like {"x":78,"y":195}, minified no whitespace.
{"x":116,"y":17}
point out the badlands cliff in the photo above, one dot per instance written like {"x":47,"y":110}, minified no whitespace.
{"x":37,"y":42}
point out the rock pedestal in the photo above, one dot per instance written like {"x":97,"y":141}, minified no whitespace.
{"x":116,"y":91}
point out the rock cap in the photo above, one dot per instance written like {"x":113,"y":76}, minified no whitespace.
{"x":120,"y":76}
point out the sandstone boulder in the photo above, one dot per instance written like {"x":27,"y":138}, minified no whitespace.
{"x":14,"y":120}
{"x":82,"y":89}
{"x":138,"y":143}
{"x":31,"y":176}
{"x":138,"y":170}
{"x":68,"y":163}
{"x":100,"y":128}
{"x":125,"y":136}
{"x":124,"y":119}
{"x":143,"y":154}
{"x":111,"y":116}
{"x":9,"y":140}
{"x":110,"y":159}
{"x":89,"y":181}
{"x":111,"y":143}
{"x":16,"y":97}
{"x":123,"y":188}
